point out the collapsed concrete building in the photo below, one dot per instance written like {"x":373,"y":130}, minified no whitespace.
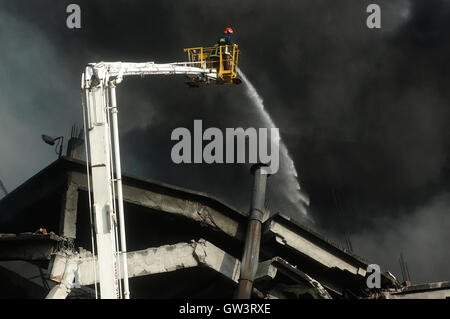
{"x":181,"y":244}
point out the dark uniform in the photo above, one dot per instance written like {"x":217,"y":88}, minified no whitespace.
{"x":226,"y":39}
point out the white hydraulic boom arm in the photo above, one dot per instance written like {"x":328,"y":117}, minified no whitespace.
{"x":100,"y":110}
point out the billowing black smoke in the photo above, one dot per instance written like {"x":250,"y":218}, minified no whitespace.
{"x":365,"y":113}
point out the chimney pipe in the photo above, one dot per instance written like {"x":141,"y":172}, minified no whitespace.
{"x":250,"y":257}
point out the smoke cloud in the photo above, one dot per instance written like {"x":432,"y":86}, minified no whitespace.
{"x":364,"y":113}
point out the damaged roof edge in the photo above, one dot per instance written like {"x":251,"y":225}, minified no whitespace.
{"x":80,"y":166}
{"x":70,"y":164}
{"x":29,"y":246}
{"x":323,"y":242}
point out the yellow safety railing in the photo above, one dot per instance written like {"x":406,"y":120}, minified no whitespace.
{"x":223,"y":58}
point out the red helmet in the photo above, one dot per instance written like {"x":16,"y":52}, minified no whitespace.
{"x":228,"y":31}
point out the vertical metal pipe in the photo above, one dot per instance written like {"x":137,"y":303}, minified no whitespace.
{"x":250,"y":256}
{"x":118,"y":167}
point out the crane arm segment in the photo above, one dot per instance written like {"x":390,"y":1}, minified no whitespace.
{"x":98,"y":83}
{"x":114,"y":71}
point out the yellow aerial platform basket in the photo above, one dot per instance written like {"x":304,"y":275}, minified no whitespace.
{"x":224,"y":59}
